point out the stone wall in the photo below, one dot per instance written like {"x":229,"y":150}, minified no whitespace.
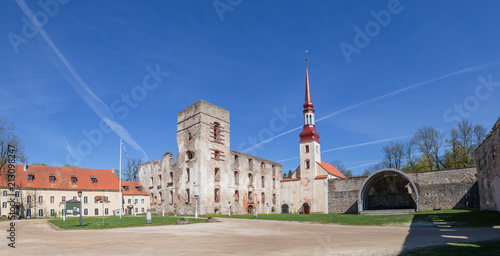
{"x":488,"y":164}
{"x":445,"y":189}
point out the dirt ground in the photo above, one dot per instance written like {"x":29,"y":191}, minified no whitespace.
{"x":232,"y":237}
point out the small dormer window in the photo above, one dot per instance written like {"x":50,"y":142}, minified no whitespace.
{"x":52,"y":178}
{"x":126,"y":188}
{"x":31,"y":177}
{"x":139,"y":188}
{"x":94,"y":179}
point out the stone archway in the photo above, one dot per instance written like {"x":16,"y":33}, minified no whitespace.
{"x":388,"y":189}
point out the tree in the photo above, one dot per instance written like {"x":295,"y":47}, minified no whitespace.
{"x":373,"y":169}
{"x":69,"y":165}
{"x":466,"y":136}
{"x":456,"y":156}
{"x":393,"y":155}
{"x":131,"y":172}
{"x":479,"y":135}
{"x":411,"y":161}
{"x":429,"y":141}
{"x":37,"y":163}
{"x":342,"y":169}
{"x":8,"y":137}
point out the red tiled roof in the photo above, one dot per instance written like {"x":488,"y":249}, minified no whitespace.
{"x":331,"y":169}
{"x":321,"y":177}
{"x":132,"y":188}
{"x":288,"y":179}
{"x":106,"y":179}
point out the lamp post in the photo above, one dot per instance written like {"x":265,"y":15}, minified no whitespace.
{"x":80,"y":195}
{"x":229,"y":207}
{"x":196,"y":206}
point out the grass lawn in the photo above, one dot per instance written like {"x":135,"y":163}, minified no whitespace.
{"x":455,"y":218}
{"x":116,"y":222}
{"x":491,"y":247}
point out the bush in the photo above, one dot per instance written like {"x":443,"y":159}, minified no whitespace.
{"x":209,"y":217}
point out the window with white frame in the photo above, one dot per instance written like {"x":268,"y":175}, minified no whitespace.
{"x":4,"y":205}
{"x":17,"y":194}
{"x":40,"y":213}
{"x":52,"y":212}
{"x":4,"y":193}
{"x":86,"y":212}
{"x":106,"y":211}
{"x":52,"y":199}
{"x":40,"y":199}
{"x":85,"y":199}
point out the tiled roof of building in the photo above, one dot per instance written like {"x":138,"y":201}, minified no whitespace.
{"x":289,"y":179}
{"x":104,"y":179}
{"x":134,"y":188}
{"x":321,"y":177}
{"x":331,"y":169}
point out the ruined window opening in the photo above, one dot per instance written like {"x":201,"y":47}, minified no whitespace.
{"x":217,"y":155}
{"x":159,"y":181}
{"x":217,"y":175}
{"x":274,"y":199}
{"x":250,"y":179}
{"x":189,"y":155}
{"x":152,"y":182}
{"x":236,"y":161}
{"x":190,"y":136}
{"x":262,"y":180}
{"x":171,"y":177}
{"x":216,"y":132}
{"x":160,"y":196}
{"x":236,"y":177}
{"x":262,"y":165}
{"x":307,"y":148}
{"x":250,"y":196}
{"x":274,"y":170}
{"x":187,"y":175}
{"x":236,"y":196}
{"x":217,"y":195}
{"x":307,"y":164}
{"x":274,"y":182}
{"x":187,"y":196}
{"x":155,"y":200}
{"x":250,"y":163}
{"x":171,"y":197}
{"x":263,"y":198}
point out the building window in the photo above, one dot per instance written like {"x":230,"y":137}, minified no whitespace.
{"x":136,"y":201}
{"x":139,"y":188}
{"x":125,"y":188}
{"x":4,"y":205}
{"x":307,"y":148}
{"x":52,"y":199}
{"x":142,"y":209}
{"x":74,"y":198}
{"x":217,"y":155}
{"x":217,"y":195}
{"x":129,"y":201}
{"x":155,"y":199}
{"x":159,"y":181}
{"x":216,"y":132}
{"x":187,"y":175}
{"x":262,"y":181}
{"x":263,"y":198}
{"x":106,"y":211}
{"x":274,"y":182}
{"x":73,"y":179}
{"x":86,"y":212}
{"x":171,"y":198}
{"x":189,"y":155}
{"x":142,"y":201}
{"x":17,"y":194}
{"x":217,"y":175}
{"x":136,"y":209}
{"x":160,"y":196}
{"x":171,"y":177}
{"x":63,"y":199}
{"x":52,"y":212}
{"x":5,"y":193}
{"x":187,"y":196}
{"x":85,"y":200}
{"x":96,"y":211}
{"x":236,"y":196}
{"x":317,"y":149}
{"x":307,"y":164}
{"x":274,"y":199}
{"x":236,"y":161}
{"x":250,"y":163}
{"x":250,"y":196}
{"x":28,"y":199}
{"x":40,"y":213}
{"x":52,"y":178}
{"x":236,"y":177}
{"x":31,"y":177}
{"x":262,"y":165}
{"x":94,"y":180}
{"x":250,"y":179}
{"x":28,"y":213}
{"x":152,"y":182}
{"x":97,"y":199}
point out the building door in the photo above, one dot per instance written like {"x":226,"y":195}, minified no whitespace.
{"x":250,"y":209}
{"x":284,"y":208}
{"x":28,"y":213}
{"x":306,"y":208}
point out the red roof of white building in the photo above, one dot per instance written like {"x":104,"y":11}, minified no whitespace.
{"x":134,"y":188}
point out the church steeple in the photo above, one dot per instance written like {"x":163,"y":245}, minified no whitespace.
{"x":309,"y":132}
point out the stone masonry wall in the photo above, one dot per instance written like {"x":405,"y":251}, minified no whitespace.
{"x":488,"y":165}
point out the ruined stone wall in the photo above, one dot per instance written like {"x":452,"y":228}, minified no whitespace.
{"x":488,"y":170}
{"x":445,"y":189}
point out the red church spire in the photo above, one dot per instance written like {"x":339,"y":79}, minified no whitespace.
{"x":309,"y":132}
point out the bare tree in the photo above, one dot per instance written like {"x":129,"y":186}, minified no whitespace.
{"x":465,"y":134}
{"x":479,"y":134}
{"x":429,"y":141}
{"x":342,"y":169}
{"x":411,"y":159}
{"x":131,"y":172}
{"x":8,"y":137}
{"x":393,"y":155}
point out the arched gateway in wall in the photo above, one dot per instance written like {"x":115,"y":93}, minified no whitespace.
{"x":388,"y":189}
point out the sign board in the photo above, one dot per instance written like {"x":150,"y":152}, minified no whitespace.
{"x":73,"y":207}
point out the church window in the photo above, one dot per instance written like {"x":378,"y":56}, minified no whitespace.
{"x":307,"y":148}
{"x":307,"y":164}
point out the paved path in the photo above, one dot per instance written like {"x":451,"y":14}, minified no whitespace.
{"x":232,"y":237}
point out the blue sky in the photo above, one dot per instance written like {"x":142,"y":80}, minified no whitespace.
{"x":89,"y":59}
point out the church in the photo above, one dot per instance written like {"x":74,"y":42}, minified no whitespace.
{"x":306,"y":191}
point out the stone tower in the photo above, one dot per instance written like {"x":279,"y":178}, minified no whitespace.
{"x":203,"y":158}
{"x":310,"y":152}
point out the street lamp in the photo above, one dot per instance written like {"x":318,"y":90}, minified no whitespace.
{"x":229,"y":206}
{"x":80,"y":195}
{"x":196,"y":206}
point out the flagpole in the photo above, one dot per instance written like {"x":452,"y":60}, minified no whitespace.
{"x":120,"y":188}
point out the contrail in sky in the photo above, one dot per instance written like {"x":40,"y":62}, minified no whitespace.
{"x":470,"y":69}
{"x":351,"y":146}
{"x":82,"y":88}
